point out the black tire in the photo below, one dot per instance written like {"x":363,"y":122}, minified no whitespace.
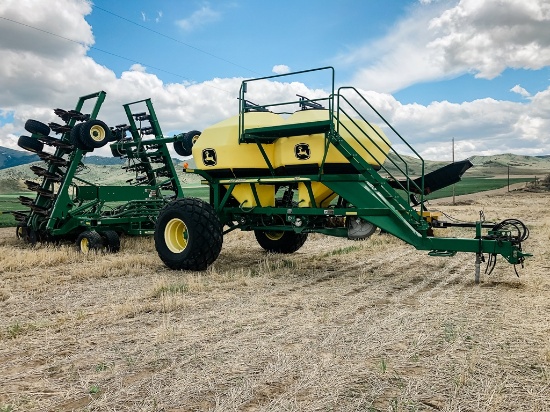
{"x":280,"y":242}
{"x":94,"y":134}
{"x":74,"y":136}
{"x":178,"y":147}
{"x":116,"y":150}
{"x":189,"y":140}
{"x":116,"y":135}
{"x":89,"y":241}
{"x":31,"y":236}
{"x":111,"y":241}
{"x":21,"y":231}
{"x":36,"y":127}
{"x":30,"y":144}
{"x":188,"y":234}
{"x":359,"y":229}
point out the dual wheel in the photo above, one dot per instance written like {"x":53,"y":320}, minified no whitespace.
{"x":92,"y":241}
{"x":30,"y":143}
{"x":90,"y":135}
{"x":184,"y":147}
{"x":189,"y":236}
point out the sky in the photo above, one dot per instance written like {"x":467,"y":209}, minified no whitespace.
{"x":476,"y":72}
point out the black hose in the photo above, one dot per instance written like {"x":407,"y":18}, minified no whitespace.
{"x":513,"y":225}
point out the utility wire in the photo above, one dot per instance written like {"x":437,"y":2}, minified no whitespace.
{"x":174,"y":39}
{"x":106,"y":52}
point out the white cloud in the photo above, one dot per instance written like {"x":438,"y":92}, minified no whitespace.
{"x":204,"y":15}
{"x":436,"y":41}
{"x":489,"y":36}
{"x":138,"y":68}
{"x":25,"y":31}
{"x":33,"y":84}
{"x":520,"y":90}
{"x":280,"y":69}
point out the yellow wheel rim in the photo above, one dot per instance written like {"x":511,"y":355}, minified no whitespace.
{"x":195,"y":138}
{"x":85,"y":245}
{"x":176,"y":235}
{"x":274,"y":235}
{"x":97,"y":133}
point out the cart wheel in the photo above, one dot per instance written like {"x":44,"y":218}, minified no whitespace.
{"x":111,"y":241}
{"x":116,"y":150}
{"x":184,"y":147}
{"x":21,"y":231}
{"x":188,"y":234}
{"x":189,"y":140}
{"x":30,"y":144}
{"x":31,"y":236}
{"x":36,"y":127}
{"x":178,"y":147}
{"x":280,"y":242}
{"x":74,"y":137}
{"x":89,"y":241}
{"x":359,"y":229}
{"x":94,"y":134}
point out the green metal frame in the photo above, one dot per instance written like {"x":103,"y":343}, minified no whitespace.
{"x":365,"y":192}
{"x":132,"y":209}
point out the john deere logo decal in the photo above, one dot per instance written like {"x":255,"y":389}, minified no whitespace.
{"x":302,"y":151}
{"x":209,"y":157}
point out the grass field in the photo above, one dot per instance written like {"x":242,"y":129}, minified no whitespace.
{"x":371,"y":326}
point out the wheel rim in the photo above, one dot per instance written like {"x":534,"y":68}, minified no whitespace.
{"x":274,"y":235}
{"x":195,"y":138}
{"x":85,"y":245}
{"x":97,"y":133}
{"x":176,"y":236}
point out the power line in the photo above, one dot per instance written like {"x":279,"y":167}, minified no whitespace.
{"x":176,"y":40}
{"x":105,"y":51}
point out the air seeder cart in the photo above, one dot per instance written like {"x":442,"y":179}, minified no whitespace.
{"x":323,"y":169}
{"x":67,"y":206}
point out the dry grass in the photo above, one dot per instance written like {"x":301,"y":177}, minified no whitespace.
{"x":339,"y":325}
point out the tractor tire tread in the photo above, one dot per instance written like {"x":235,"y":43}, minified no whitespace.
{"x":36,"y":127}
{"x":204,"y":228}
{"x":290,"y":242}
{"x":30,"y":143}
{"x":111,"y":241}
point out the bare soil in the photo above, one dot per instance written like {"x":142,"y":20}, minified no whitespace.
{"x":337,"y":326}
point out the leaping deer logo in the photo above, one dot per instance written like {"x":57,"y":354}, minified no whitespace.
{"x":302,"y":151}
{"x":209,"y":157}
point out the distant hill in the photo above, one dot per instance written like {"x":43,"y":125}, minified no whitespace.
{"x":102,"y":160}
{"x":484,"y":166}
{"x":108,"y":170}
{"x":12,"y":179}
{"x":10,"y":157}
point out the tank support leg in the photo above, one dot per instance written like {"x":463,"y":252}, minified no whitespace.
{"x":478,"y":266}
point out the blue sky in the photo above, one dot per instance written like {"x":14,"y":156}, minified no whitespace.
{"x":235,"y":38}
{"x":477,"y":71}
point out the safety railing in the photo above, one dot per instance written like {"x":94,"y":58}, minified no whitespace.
{"x":409,"y":185}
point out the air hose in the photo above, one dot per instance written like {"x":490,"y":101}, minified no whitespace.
{"x":511,"y":230}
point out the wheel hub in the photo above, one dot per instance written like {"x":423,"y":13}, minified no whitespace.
{"x":97,"y":133}
{"x":274,"y":235}
{"x":176,"y":235}
{"x":84,"y":245}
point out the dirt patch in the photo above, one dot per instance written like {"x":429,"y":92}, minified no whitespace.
{"x":374,"y":327}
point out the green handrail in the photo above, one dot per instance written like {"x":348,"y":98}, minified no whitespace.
{"x":409,"y":180}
